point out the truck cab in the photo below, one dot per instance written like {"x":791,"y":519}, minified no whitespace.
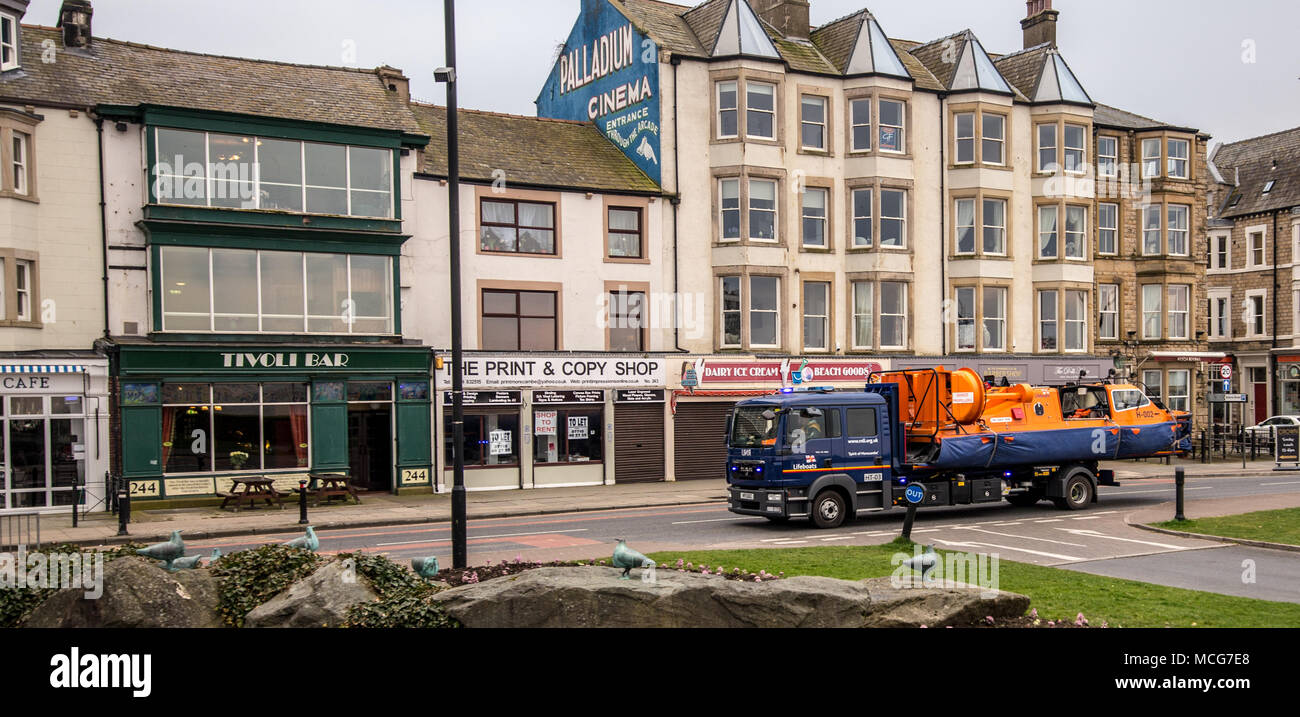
{"x":812,"y":454}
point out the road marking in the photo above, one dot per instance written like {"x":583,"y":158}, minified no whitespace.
{"x":1028,"y":537}
{"x":1294,"y":482}
{"x":1087,"y":517}
{"x":1051,"y":520}
{"x":718,"y":520}
{"x":838,"y":537}
{"x":482,"y":537}
{"x":1070,"y":558}
{"x":927,"y":530}
{"x":1138,"y":492}
{"x":791,"y":542}
{"x":1095,"y":534}
{"x":875,"y":532}
{"x":1006,"y":525}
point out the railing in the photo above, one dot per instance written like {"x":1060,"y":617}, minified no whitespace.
{"x":1221,"y":442}
{"x":18,"y":529}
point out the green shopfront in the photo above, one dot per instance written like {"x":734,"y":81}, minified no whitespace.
{"x":194,"y":415}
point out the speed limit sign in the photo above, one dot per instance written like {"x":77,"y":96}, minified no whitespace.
{"x":1225,"y":371}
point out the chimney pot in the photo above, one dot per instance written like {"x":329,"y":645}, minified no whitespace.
{"x":74,"y":21}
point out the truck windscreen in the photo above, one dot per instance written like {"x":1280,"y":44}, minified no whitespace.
{"x":749,"y":428}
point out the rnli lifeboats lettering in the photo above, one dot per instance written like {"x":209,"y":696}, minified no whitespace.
{"x":804,"y":466}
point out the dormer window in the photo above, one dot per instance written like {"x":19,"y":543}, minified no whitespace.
{"x":8,"y":42}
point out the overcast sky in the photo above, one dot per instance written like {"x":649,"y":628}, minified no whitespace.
{"x":1181,"y":61}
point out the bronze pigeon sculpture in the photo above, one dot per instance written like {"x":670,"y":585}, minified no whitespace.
{"x":627,"y":558}
{"x":167,"y":552}
{"x":193,"y":561}
{"x":425,"y":567}
{"x":924,"y":562}
{"x":308,"y":541}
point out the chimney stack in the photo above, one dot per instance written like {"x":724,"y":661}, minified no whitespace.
{"x":74,"y":21}
{"x":395,"y":81}
{"x":1039,"y":24}
{"x":789,"y":17}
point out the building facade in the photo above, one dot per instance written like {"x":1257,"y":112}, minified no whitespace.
{"x":1251,"y":276}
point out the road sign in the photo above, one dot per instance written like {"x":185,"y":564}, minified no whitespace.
{"x":915,"y":493}
{"x":1227,"y":398}
{"x":1227,"y":385}
{"x":1225,"y":371}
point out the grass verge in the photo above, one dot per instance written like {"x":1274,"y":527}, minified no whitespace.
{"x":1274,"y":526}
{"x":1056,"y":593}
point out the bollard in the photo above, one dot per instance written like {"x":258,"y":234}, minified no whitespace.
{"x":1252,"y":445}
{"x":76,"y":500}
{"x":1204,"y":455}
{"x":123,"y":508}
{"x":1179,"y":479}
{"x":908,"y":520}
{"x":302,"y":502}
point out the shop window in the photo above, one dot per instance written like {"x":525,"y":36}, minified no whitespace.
{"x":814,"y":217}
{"x":234,"y":427}
{"x":46,"y":450}
{"x":625,"y":232}
{"x":413,"y":390}
{"x":812,"y":131}
{"x":248,"y":172}
{"x":519,"y":320}
{"x":574,"y":435}
{"x":219,"y":290}
{"x":627,"y":321}
{"x":511,"y":226}
{"x":816,"y":315}
{"x":491,"y":439}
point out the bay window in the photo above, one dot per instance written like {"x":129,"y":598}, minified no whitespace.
{"x":1047,"y":315}
{"x":760,"y":110}
{"x":1151,"y":230}
{"x":1150,"y":158}
{"x":864,"y":311}
{"x":248,"y":172}
{"x":1076,"y":320}
{"x":892,"y":115}
{"x":1076,"y":220}
{"x":1075,"y":147}
{"x":965,"y":318}
{"x":816,"y":315}
{"x":993,"y":137}
{"x":860,"y":125}
{"x":764,"y":303}
{"x":246,"y":291}
{"x":1047,"y":148}
{"x":965,"y":129}
{"x":1062,"y":326}
{"x":965,"y":226}
{"x":893,"y":315}
{"x":1179,"y":296}
{"x":731,"y":311}
{"x":762,"y":210}
{"x":893,"y":218}
{"x":1178,"y":150}
{"x":1047,"y":232}
{"x":1178,"y":229}
{"x":729,"y":209}
{"x":880,"y":306}
{"x":995,"y":318}
{"x":1152,"y":318}
{"x":21,"y":142}
{"x":728,"y":121}
{"x":995,"y":226}
{"x":862,"y":213}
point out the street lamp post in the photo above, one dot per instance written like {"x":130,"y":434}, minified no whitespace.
{"x":448,"y":75}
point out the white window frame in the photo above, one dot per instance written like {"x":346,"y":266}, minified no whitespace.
{"x":1220,"y":252}
{"x":1045,"y":321}
{"x":1112,"y":227}
{"x":1082,"y":212}
{"x":775,"y":210}
{"x":12,"y":46}
{"x":975,"y":236}
{"x":1176,"y":316}
{"x":3,"y":315}
{"x":23,"y":271}
{"x":1108,"y":294}
{"x":985,"y":226}
{"x":1150,"y":171}
{"x":1185,"y":158}
{"x":854,"y":123}
{"x":1252,"y":233}
{"x":869,"y":217}
{"x":1252,"y":317}
{"x":1000,"y":319}
{"x":960,"y":139}
{"x":21,"y":151}
{"x":870,"y":315}
{"x":1001,"y":141}
{"x":824,"y":219}
{"x":1180,"y":401}
{"x":1156,"y":312}
{"x":1055,"y":233}
{"x":1150,"y":210}
{"x":1054,"y":165}
{"x":1185,"y":233}
{"x":1158,"y":384}
{"x":1082,"y":320}
{"x":902,"y":220}
{"x":824,"y":319}
{"x":904,"y":305}
{"x":966,"y":320}
{"x":750,"y":311}
{"x":1081,"y":166}
{"x":901,"y":126}
{"x":735,"y":108}
{"x":723,"y":209}
{"x":739,"y":311}
{"x":749,"y":110}
{"x":1112,"y":157}
{"x":804,"y":121}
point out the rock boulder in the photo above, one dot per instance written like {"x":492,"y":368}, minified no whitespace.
{"x":138,"y":592}
{"x":321,"y":599}
{"x":595,"y":597}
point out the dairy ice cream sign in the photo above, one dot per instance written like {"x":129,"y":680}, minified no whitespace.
{"x":607,"y":73}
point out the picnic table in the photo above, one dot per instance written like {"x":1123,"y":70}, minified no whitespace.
{"x":251,"y":489}
{"x":333,"y":485}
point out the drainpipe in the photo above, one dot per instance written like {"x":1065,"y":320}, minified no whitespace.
{"x":103,"y":219}
{"x":1272,"y":355}
{"x":943,"y":209}
{"x":676,"y":201}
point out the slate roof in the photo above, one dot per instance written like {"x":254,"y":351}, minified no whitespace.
{"x":1108,"y":116}
{"x":126,"y":73}
{"x":1021,"y":69}
{"x":1251,"y":162}
{"x":531,"y":150}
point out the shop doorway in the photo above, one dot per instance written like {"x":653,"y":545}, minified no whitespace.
{"x":1259,"y":383}
{"x":370,"y":445}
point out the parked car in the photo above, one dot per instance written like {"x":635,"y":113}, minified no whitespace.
{"x":1265,"y":427}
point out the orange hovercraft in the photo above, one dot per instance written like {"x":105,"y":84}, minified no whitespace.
{"x":953,"y":420}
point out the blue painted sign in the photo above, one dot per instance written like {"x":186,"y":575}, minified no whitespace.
{"x":608,"y":74}
{"x":915,"y":493}
{"x":1227,"y":385}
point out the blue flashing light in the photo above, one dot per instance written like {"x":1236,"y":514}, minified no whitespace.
{"x":1006,"y":474}
{"x":902,"y":480}
{"x":787,"y":390}
{"x":758,"y":469}
{"x":733,"y":468}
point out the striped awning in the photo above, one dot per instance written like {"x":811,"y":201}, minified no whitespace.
{"x":35,"y":368}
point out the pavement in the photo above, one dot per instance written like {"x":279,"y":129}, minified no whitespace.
{"x":380,"y":509}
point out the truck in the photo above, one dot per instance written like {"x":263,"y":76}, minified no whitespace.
{"x":829,"y":455}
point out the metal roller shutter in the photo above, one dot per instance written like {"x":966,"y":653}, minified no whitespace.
{"x":638,"y":442}
{"x":700,"y":450}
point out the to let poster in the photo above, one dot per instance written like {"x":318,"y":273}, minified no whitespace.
{"x":500,"y":443}
{"x":578,"y":427}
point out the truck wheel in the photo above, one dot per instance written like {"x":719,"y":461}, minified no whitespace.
{"x":828,"y":509}
{"x":1078,"y":491}
{"x":1024,"y":500}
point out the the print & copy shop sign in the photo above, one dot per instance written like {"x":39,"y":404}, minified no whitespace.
{"x":483,"y":372}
